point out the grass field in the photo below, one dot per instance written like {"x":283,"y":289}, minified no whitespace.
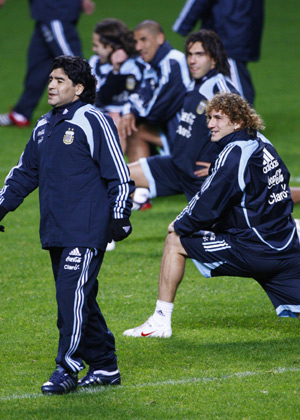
{"x":230,"y":357}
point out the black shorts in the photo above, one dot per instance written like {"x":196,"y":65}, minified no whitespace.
{"x":164,"y":179}
{"x":217,"y":255}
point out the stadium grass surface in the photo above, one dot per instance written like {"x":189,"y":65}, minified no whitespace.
{"x":230,"y":357}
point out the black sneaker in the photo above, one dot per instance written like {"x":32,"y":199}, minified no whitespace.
{"x":100,"y":377}
{"x":60,"y":382}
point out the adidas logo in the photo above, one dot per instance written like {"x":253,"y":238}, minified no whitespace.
{"x":75,"y":252}
{"x":269,"y":161}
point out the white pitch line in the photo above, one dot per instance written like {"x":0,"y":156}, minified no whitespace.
{"x":276,"y":371}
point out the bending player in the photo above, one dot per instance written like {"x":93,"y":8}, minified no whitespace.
{"x":239,"y":224}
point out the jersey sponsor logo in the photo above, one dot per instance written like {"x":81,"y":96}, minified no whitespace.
{"x":201,"y":107}
{"x":189,"y":118}
{"x":269,"y":161}
{"x":75,"y":252}
{"x":72,"y":267}
{"x":73,"y":259}
{"x":69,"y":136}
{"x":184,"y":132}
{"x":277,"y":197}
{"x":276,"y":179}
{"x":40,"y":136}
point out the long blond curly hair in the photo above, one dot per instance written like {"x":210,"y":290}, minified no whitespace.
{"x":237,"y":110}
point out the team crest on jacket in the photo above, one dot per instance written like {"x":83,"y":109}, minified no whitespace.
{"x":130,"y":83}
{"x":201,"y":107}
{"x":69,"y":136}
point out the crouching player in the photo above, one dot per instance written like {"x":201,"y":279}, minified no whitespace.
{"x":239,"y":224}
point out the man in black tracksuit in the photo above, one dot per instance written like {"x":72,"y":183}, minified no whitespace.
{"x":239,"y":223}
{"x":74,"y":157}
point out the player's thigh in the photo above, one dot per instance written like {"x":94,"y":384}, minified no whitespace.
{"x":161,"y":175}
{"x":281,"y":280}
{"x":216,"y":255}
{"x":138,"y":175}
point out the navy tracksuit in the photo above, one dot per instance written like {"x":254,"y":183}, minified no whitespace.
{"x":75,"y":159}
{"x":238,"y":23}
{"x":84,"y":334}
{"x":174,"y":174}
{"x":240,"y":223}
{"x":54,"y":34}
{"x":113,"y":89}
{"x":159,"y":98}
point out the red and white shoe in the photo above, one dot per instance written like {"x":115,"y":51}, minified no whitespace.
{"x":150,"y":329}
{"x":141,"y":206}
{"x":13,"y":119}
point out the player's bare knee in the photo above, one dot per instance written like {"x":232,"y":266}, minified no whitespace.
{"x":173,"y":243}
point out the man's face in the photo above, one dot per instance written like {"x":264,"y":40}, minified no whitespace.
{"x":61,"y":90}
{"x":220,"y":125}
{"x":103,"y":51}
{"x":147,"y":43}
{"x":199,"y":61}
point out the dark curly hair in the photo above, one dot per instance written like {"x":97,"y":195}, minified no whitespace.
{"x":79,"y":71}
{"x":115,"y":33}
{"x":213,"y":46}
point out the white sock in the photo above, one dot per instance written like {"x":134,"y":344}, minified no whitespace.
{"x":141,"y":195}
{"x":163,"y":312}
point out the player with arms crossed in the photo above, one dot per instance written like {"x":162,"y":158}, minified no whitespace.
{"x":239,"y":224}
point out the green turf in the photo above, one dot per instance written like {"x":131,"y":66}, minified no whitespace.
{"x":230,"y":357}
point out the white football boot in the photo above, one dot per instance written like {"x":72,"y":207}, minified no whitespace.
{"x":150,"y":329}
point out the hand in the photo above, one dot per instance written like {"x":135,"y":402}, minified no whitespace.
{"x":204,"y":171}
{"x":117,"y":59}
{"x":126,"y":126}
{"x":2,"y":228}
{"x":119,"y":229}
{"x":3,"y":212}
{"x":88,"y":7}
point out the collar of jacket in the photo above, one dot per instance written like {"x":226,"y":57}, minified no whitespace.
{"x":67,"y":110}
{"x":162,"y":51}
{"x":208,"y":75}
{"x":241,"y":135}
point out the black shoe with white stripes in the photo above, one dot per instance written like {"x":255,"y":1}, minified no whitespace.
{"x":60,"y":382}
{"x":100,"y":377}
